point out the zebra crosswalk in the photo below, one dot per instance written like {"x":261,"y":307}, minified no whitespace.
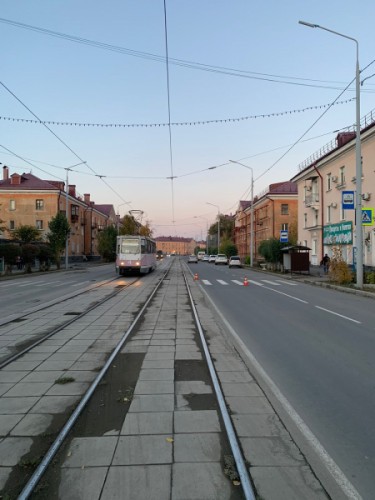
{"x":251,"y":282}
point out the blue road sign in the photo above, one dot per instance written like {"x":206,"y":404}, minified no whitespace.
{"x":348,"y":200}
{"x":284,"y":236}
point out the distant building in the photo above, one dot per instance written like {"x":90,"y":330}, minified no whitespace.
{"x":175,"y":245}
{"x":274,"y":210}
{"x":28,"y":200}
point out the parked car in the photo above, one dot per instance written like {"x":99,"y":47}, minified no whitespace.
{"x":211,"y":258}
{"x":193,"y":259}
{"x":221,"y":259}
{"x":206,"y":258}
{"x":235,"y":261}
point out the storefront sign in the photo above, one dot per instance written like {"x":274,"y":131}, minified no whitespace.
{"x":338,"y":234}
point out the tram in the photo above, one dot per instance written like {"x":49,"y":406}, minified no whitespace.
{"x":135,"y":253}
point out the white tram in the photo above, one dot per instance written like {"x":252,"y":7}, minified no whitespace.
{"x":135,"y":253}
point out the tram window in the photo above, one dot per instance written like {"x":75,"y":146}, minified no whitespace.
{"x":143,"y":246}
{"x":130,"y":246}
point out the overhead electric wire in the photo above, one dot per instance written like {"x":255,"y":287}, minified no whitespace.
{"x":179,"y":62}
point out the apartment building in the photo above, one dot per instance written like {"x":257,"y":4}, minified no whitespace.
{"x":274,"y":210}
{"x":28,"y":200}
{"x":175,"y":245}
{"x":322,"y":181}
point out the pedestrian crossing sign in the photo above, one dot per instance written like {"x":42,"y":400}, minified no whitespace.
{"x":367,"y":216}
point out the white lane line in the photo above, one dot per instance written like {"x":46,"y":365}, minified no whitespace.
{"x":285,"y":282}
{"x":222,"y":282}
{"x":271,"y":282}
{"x":255,"y":283}
{"x":81,"y":283}
{"x":286,"y":295}
{"x":206,"y":282}
{"x":237,"y":282}
{"x":65,"y":283}
{"x":337,"y":314}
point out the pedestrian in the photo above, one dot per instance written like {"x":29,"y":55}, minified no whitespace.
{"x":325,"y":262}
{"x":19,"y":262}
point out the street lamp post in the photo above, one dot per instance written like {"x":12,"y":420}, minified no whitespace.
{"x":218,"y":225}
{"x":251,"y":249}
{"x":358,"y":160}
{"x":200,"y":217}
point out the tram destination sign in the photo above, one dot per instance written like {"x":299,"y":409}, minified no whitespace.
{"x":338,"y":234}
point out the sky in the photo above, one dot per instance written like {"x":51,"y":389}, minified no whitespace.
{"x":244,"y":81}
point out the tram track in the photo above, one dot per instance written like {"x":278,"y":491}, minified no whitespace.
{"x":113,"y":360}
{"x":29,"y":345}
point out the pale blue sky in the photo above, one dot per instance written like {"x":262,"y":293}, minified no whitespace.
{"x":64,"y":81}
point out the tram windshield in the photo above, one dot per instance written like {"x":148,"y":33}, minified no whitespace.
{"x":130,"y":246}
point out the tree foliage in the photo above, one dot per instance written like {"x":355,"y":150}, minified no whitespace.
{"x":29,"y":253}
{"x":228,"y":247}
{"x":26,"y":234}
{"x":59,"y":229}
{"x":339,"y":271}
{"x":270,"y":250}
{"x":10,"y":252}
{"x":129,"y":225}
{"x":107,"y":243}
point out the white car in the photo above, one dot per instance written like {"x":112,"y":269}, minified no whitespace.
{"x":211,"y":258}
{"x":193,"y":259}
{"x":235,"y":261}
{"x":206,"y":258}
{"x":221,"y":259}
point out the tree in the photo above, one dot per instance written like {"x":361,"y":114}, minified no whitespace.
{"x":45,"y":256}
{"x":145,"y":230}
{"x":26,"y":234}
{"x":107,"y":243}
{"x":10,"y":252}
{"x":270,"y":250}
{"x":29,"y":253}
{"x":59,"y":230}
{"x":228,"y":247}
{"x":129,"y":225}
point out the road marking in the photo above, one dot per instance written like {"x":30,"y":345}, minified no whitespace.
{"x":337,"y":314}
{"x":286,"y":295}
{"x":271,"y":283}
{"x":237,"y":282}
{"x":206,"y":282}
{"x":285,"y":282}
{"x":62,"y":284}
{"x":255,"y":283}
{"x":81,"y":283}
{"x":222,"y":282}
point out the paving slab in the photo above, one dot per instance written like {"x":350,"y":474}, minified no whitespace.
{"x":198,"y":447}
{"x":156,"y":374}
{"x":54,"y":404}
{"x":193,"y":387}
{"x":145,"y":482}
{"x":272,"y":451}
{"x":4,"y":475}
{"x":293,"y":483}
{"x":7,"y":422}
{"x":199,"y":481}
{"x":90,"y":452}
{"x":241,"y":389}
{"x":32,"y":425}
{"x":71,"y":388}
{"x":154,"y":387}
{"x":9,"y":406}
{"x":82,"y":483}
{"x":258,"y":425}
{"x":138,"y":450}
{"x":199,"y":420}
{"x":11,"y":377}
{"x":152,"y":403}
{"x":158,"y":363}
{"x":148,"y":423}
{"x":23,"y":389}
{"x":12,"y":450}
{"x":242,"y":405}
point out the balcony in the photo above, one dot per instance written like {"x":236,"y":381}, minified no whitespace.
{"x":311,"y":199}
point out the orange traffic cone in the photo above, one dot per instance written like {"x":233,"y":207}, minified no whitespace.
{"x":196,"y":276}
{"x":245,"y":282}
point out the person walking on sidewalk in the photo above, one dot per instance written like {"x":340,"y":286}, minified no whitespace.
{"x":325,"y":261}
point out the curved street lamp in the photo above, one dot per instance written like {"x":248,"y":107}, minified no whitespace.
{"x":358,"y":160}
{"x":251,"y":249}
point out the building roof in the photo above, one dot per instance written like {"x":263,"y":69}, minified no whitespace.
{"x":104,"y":209}
{"x":28,"y":181}
{"x":288,"y":187}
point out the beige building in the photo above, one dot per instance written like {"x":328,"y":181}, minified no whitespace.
{"x":322,"y":180}
{"x":175,"y":245}
{"x":274,"y":210}
{"x":27,"y":200}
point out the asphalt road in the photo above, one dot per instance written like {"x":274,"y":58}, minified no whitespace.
{"x":318,"y":346}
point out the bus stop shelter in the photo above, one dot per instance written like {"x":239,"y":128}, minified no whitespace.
{"x":296,"y":259}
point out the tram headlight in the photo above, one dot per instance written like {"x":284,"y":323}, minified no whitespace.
{"x":137,"y":263}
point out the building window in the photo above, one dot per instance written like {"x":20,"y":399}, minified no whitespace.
{"x":304,"y":220}
{"x":316,"y":217}
{"x":314,"y":247}
{"x":342,"y":213}
{"x":12,"y":225}
{"x":284,"y":209}
{"x":342,"y":175}
{"x":39,"y":224}
{"x":329,"y":182}
{"x":12,"y":204}
{"x":39,"y":204}
{"x":329,"y":213}
{"x":284,"y":227}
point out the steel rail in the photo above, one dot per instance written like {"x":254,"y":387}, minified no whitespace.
{"x":240,"y":463}
{"x":33,"y":481}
